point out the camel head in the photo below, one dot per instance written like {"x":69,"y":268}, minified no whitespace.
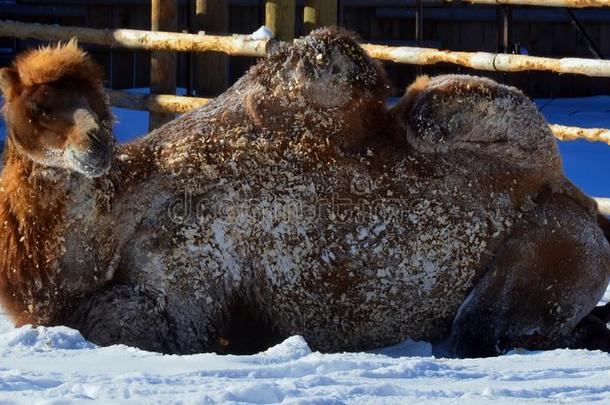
{"x":324,"y":74}
{"x":56,"y":110}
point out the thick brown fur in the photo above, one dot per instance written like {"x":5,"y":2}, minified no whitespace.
{"x":34,"y":187}
{"x":51,"y":63}
{"x":509,"y":307}
{"x":294,"y":203}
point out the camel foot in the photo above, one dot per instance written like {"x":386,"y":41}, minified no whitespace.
{"x":125,"y":314}
{"x":538,"y":288}
{"x":592,"y":333}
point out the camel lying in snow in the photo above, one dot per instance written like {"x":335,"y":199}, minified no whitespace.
{"x":295,"y":203}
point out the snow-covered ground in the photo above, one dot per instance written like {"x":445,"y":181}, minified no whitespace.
{"x":56,"y":365}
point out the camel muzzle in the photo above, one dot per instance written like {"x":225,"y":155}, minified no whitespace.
{"x":91,"y":154}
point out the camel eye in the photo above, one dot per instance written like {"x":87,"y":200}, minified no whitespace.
{"x":37,"y":109}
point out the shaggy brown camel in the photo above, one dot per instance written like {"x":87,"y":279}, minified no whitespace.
{"x":294,"y":203}
{"x":59,"y":127}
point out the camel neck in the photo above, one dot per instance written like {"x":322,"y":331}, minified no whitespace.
{"x":25,"y":182}
{"x":32,"y":207}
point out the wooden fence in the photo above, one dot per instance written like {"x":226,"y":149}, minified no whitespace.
{"x":242,"y":45}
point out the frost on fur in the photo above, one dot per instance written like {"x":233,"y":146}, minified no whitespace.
{"x":451,"y":112}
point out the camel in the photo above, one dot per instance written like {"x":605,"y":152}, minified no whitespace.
{"x":296,"y":203}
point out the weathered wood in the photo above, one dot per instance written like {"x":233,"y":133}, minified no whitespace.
{"x":319,"y":13}
{"x":489,"y":61}
{"x":366,"y":3}
{"x":138,"y":39}
{"x":542,"y":3}
{"x":242,"y":45}
{"x":280,"y":17}
{"x":369,"y":3}
{"x":603,"y":204}
{"x":572,"y":133}
{"x":161,"y":103}
{"x":210,"y":70}
{"x":487,"y":14}
{"x":164,"y":17}
{"x":177,"y":104}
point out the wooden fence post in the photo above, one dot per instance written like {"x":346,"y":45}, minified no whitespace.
{"x":210,"y":69}
{"x":162,"y":64}
{"x":319,"y":13}
{"x":280,"y":18}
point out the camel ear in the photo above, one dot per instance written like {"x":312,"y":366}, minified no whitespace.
{"x":264,"y":111}
{"x":405,"y":104}
{"x":10,"y":85}
{"x":399,"y":113}
{"x":273,"y":45}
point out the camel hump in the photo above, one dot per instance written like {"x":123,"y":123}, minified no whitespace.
{"x":453,"y":112}
{"x":322,"y":84}
{"x":327,"y":61}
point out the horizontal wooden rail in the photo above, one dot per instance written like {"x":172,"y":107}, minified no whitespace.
{"x":238,"y":45}
{"x":495,"y":62}
{"x":572,"y":133}
{"x":242,"y":45}
{"x":166,"y":103}
{"x":361,"y":3}
{"x":603,"y":204}
{"x":161,"y":103}
{"x":542,"y":3}
{"x":350,"y":3}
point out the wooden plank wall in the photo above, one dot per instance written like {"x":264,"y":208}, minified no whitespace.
{"x":461,"y":27}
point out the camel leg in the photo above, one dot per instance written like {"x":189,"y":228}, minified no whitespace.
{"x":546,"y":279}
{"x":591,"y":333}
{"x":139,"y":317}
{"x":126,"y":314}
